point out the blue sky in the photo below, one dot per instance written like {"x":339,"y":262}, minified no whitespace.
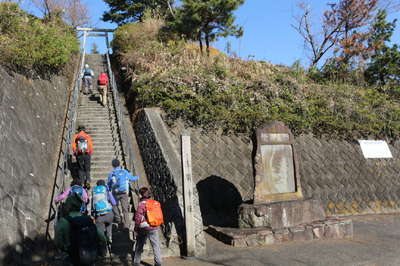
{"x":268,"y":34}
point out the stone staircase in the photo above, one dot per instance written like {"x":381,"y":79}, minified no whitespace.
{"x":101,"y":124}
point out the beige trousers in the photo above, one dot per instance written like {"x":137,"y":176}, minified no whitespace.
{"x":103,"y":94}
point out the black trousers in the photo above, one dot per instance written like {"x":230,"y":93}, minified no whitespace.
{"x":83,"y":161}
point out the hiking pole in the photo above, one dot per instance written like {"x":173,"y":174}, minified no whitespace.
{"x":109,"y":251}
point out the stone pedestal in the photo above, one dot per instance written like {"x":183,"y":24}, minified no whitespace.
{"x":279,"y":213}
{"x":332,"y":228}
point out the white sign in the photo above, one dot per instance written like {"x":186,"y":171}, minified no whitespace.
{"x":375,"y":149}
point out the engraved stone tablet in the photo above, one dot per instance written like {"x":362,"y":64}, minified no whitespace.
{"x":278,"y":168}
{"x":277,"y":176}
{"x":275,"y":137}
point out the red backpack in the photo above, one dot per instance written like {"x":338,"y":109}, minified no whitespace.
{"x":154,"y":213}
{"x":103,"y":79}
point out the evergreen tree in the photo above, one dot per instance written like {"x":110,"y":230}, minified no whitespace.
{"x":384,"y":67}
{"x":125,"y":11}
{"x":94,"y":49}
{"x":206,"y":20}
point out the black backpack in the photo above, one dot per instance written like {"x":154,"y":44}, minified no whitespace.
{"x":84,"y":240}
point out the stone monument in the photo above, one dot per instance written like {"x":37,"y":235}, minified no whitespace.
{"x":279,"y":212}
{"x":277,"y":175}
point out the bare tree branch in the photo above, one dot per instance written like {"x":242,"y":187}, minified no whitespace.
{"x":329,"y":34}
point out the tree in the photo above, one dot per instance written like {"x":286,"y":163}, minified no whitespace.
{"x":385,"y":61}
{"x":94,"y":49}
{"x":207,"y":20}
{"x":74,"y":12}
{"x":355,"y":16}
{"x":48,"y":7}
{"x":318,"y":43}
{"x":343,"y":28}
{"x":125,"y":11}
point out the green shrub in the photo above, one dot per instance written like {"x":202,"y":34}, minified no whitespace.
{"x":219,"y":92}
{"x":28,"y":42}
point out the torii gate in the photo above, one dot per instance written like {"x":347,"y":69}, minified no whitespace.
{"x":88,"y":32}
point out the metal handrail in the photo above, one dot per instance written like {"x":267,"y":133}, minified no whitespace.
{"x":63,"y":169}
{"x":126,"y":143}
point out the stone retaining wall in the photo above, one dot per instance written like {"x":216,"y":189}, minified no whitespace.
{"x":31,"y":116}
{"x":337,"y":173}
{"x":162,"y":163}
{"x":333,"y":171}
{"x":222,"y":172}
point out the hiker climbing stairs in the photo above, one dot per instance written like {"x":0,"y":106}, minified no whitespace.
{"x":100,"y":122}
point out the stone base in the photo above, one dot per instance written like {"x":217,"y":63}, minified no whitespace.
{"x":331,"y":228}
{"x":280,"y":214}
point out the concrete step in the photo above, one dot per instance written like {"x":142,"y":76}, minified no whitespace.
{"x":103,"y":144}
{"x":109,"y":108}
{"x":103,"y":156}
{"x":94,"y":105}
{"x":101,"y":128}
{"x":102,"y":174}
{"x":102,"y":160}
{"x":96,"y":169}
{"x":98,"y":121}
{"x":103,"y":149}
{"x":95,"y":118}
{"x":97,"y":128}
{"x":97,"y":125}
{"x":102,"y":137}
{"x":96,"y":134}
{"x":93,"y":114}
{"x":105,"y":153}
{"x":106,"y":139}
{"x":100,"y":131}
{"x":106,"y":159}
{"x":109,"y":152}
{"x":84,"y":111}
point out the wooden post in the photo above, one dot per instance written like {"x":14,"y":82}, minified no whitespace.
{"x":188,"y":193}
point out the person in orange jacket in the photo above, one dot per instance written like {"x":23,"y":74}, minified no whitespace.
{"x":82,"y":147}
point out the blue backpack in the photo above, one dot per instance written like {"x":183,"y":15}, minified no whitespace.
{"x":100,"y":201}
{"x":75,"y":189}
{"x":87,"y":72}
{"x":120,"y":180}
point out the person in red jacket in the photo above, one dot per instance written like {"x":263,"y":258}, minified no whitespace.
{"x":82,"y":147}
{"x":143,"y":230}
{"x":102,"y":83}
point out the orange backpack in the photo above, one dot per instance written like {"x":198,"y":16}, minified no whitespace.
{"x":154,"y":213}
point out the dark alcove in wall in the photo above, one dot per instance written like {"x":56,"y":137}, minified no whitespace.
{"x":219,"y":200}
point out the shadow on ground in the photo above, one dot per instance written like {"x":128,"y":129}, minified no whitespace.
{"x":30,"y":251}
